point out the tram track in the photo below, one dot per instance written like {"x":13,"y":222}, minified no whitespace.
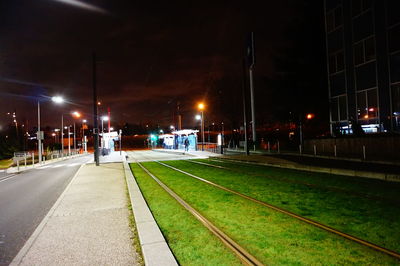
{"x":240,"y":252}
{"x":286,"y":180}
{"x":293,"y":215}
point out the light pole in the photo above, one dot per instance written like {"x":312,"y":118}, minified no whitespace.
{"x":103,"y":118}
{"x":56,"y":99}
{"x":201,"y":108}
{"x":83,"y":135}
{"x":76,"y":115}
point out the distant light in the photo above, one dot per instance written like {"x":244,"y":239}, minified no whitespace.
{"x":65,"y":128}
{"x":171,"y":127}
{"x":111,"y":128}
{"x":104,"y":118}
{"x":53,"y":134}
{"x":366,"y":116}
{"x":371,"y":109}
{"x":198,"y":117}
{"x":57,"y":99}
{"x":201,"y":106}
{"x":310,"y":116}
{"x":161,"y":131}
{"x":56,"y":129}
{"x":76,"y":114}
{"x":84,"y":120}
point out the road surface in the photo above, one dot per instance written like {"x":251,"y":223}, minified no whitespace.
{"x":26,"y":198}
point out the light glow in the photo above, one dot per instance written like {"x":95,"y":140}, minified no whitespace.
{"x":81,"y":5}
{"x":105,"y":118}
{"x":57,"y":99}
{"x":76,"y":114}
{"x":201,"y":106}
{"x":198,"y":117}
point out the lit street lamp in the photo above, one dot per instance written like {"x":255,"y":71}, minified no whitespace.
{"x":103,"y":118}
{"x":55,"y":99}
{"x":201,"y":107}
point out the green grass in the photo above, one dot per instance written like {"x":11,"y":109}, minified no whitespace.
{"x":371,"y":220}
{"x":5,"y":163}
{"x":272,"y":237}
{"x":190,"y":241}
{"x":373,"y":187}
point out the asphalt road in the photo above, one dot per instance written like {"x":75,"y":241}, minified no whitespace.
{"x":26,"y":198}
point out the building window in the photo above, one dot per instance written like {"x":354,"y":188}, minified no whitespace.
{"x":336,"y":62}
{"x":359,"y":6}
{"x":367,"y":105}
{"x":334,"y":19}
{"x":396,"y":105}
{"x":364,"y":51}
{"x":339,"y":108}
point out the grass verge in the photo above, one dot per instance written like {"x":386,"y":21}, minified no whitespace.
{"x":371,"y":220}
{"x":368,"y":186}
{"x":132,"y":225}
{"x":189,"y":240}
{"x":5,"y":163}
{"x":270,"y":236}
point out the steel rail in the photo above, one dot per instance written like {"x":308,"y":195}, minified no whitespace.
{"x":330,"y":188}
{"x":242,"y":254}
{"x":289,"y":213}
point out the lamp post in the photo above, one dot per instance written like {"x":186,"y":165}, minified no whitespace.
{"x":103,"y":118}
{"x":76,"y":115}
{"x":201,"y":108}
{"x":83,"y":135}
{"x":56,"y":99}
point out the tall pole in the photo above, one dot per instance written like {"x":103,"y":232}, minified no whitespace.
{"x":95,"y":121}
{"x":69,"y":141}
{"x":202,"y":130}
{"x":74,"y":138}
{"x":62,"y":135}
{"x":109,"y":119}
{"x":246,"y":146}
{"x":251,"y":67}
{"x":39,"y":136}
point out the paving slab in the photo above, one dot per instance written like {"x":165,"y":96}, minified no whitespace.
{"x":89,"y":224}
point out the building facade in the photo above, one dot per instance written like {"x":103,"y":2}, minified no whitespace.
{"x":363,"y":55}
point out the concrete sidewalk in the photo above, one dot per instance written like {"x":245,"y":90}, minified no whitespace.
{"x":88,"y":225}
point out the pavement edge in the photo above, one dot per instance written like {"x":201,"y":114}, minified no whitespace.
{"x":31,"y":240}
{"x":155,"y":249}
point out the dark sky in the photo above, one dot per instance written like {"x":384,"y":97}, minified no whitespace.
{"x":151,"y":54}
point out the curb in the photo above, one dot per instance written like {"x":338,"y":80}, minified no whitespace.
{"x":31,"y":240}
{"x":334,"y":171}
{"x":155,"y":249}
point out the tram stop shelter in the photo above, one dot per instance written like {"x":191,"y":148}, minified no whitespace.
{"x":176,"y":139}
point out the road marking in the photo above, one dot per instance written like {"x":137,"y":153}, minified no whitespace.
{"x":59,"y":165}
{"x":7,"y":177}
{"x":72,"y":164}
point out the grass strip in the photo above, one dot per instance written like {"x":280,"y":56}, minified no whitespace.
{"x":5,"y":163}
{"x":369,"y":186}
{"x":189,"y":240}
{"x":272,"y":237}
{"x":364,"y":218}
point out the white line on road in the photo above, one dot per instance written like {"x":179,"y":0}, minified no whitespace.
{"x":7,"y":177}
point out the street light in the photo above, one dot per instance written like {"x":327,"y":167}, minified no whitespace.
{"x":76,"y":115}
{"x":201,"y":107}
{"x":55,"y":99}
{"x":84,"y":121}
{"x":103,"y":118}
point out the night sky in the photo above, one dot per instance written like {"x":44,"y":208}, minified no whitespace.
{"x":151,"y":55}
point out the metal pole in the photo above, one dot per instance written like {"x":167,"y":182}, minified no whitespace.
{"x":62,"y":135}
{"x":253,"y":114}
{"x":74,"y":138}
{"x":246,"y":146}
{"x":39,"y":137}
{"x":202,"y":130}
{"x":95,"y":121}
{"x":69,"y":142}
